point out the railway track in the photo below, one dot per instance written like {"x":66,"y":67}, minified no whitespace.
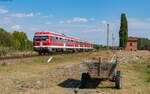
{"x":17,"y":57}
{"x":28,"y":56}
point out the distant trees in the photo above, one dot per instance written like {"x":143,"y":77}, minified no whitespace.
{"x":21,"y":40}
{"x":6,"y":39}
{"x":17,"y":40}
{"x":143,"y":44}
{"x":101,"y":47}
{"x":123,"y":33}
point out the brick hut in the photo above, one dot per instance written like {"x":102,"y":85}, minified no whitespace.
{"x":132,"y":44}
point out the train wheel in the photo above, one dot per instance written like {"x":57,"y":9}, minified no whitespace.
{"x":49,"y":53}
{"x":40,"y":53}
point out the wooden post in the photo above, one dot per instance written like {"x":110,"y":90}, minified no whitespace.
{"x":99,"y":67}
{"x":107,"y":36}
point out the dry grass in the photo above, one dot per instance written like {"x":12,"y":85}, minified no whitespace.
{"x":18,"y":53}
{"x":63,"y":73}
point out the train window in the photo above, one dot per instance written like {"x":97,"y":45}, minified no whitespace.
{"x":37,"y":38}
{"x":44,"y":38}
{"x":56,"y":38}
{"x":71,"y":41}
{"x":77,"y":42}
{"x":60,"y":39}
{"x":64,"y":41}
{"x":68,"y":41}
{"x":80,"y":43}
{"x":41,"y":38}
{"x":51,"y":38}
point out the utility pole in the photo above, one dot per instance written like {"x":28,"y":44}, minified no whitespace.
{"x":107,"y":36}
{"x":113,"y":40}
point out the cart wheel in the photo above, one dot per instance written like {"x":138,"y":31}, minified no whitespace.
{"x":113,"y":79}
{"x":118,"y":80}
{"x":84,"y":80}
{"x":88,"y":77}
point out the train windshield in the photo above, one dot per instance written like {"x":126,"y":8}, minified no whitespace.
{"x":41,"y":38}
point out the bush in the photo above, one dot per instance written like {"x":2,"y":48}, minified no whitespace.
{"x":4,"y":64}
{"x":4,"y":51}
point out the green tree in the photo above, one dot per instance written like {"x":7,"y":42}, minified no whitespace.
{"x":143,"y":44}
{"x":6,"y":39}
{"x":22,"y":41}
{"x":123,"y":33}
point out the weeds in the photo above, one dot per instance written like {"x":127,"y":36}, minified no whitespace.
{"x":4,"y":64}
{"x":34,"y":75}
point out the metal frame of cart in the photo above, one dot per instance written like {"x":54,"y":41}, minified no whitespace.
{"x":102,"y":69}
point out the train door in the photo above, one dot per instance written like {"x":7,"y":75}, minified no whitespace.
{"x":51,"y":40}
{"x":64,"y":41}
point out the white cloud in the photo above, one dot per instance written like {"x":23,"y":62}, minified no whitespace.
{"x":22,"y":15}
{"x":96,"y":30}
{"x":48,"y":22}
{"x":6,"y":20}
{"x":104,"y":22}
{"x":140,"y":25}
{"x":18,"y":15}
{"x":79,"y":20}
{"x":74,"y":20}
{"x":92,"y":19}
{"x":16,"y":27}
{"x":148,"y":19}
{"x":45,"y":16}
{"x":68,"y":21}
{"x":48,"y":16}
{"x":30,"y":15}
{"x":61,"y":22}
{"x":38,"y":14}
{"x":3,"y":11}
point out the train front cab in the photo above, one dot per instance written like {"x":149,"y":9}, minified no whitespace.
{"x":41,"y":44}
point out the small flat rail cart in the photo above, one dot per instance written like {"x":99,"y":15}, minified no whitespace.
{"x":101,"y":69}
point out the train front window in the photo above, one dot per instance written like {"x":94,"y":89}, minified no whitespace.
{"x":41,"y":38}
{"x":44,"y":38}
{"x":37,"y":38}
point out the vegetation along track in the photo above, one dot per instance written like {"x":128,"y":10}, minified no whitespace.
{"x":28,"y":56}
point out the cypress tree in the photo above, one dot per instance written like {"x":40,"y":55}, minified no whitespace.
{"x":123,"y":33}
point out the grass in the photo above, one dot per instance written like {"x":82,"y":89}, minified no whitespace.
{"x":36,"y":76}
{"x":10,"y":53}
{"x":135,"y":77}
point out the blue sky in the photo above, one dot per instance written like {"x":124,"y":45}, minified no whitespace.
{"x":84,"y":19}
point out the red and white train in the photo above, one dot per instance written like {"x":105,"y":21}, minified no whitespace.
{"x":47,"y":42}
